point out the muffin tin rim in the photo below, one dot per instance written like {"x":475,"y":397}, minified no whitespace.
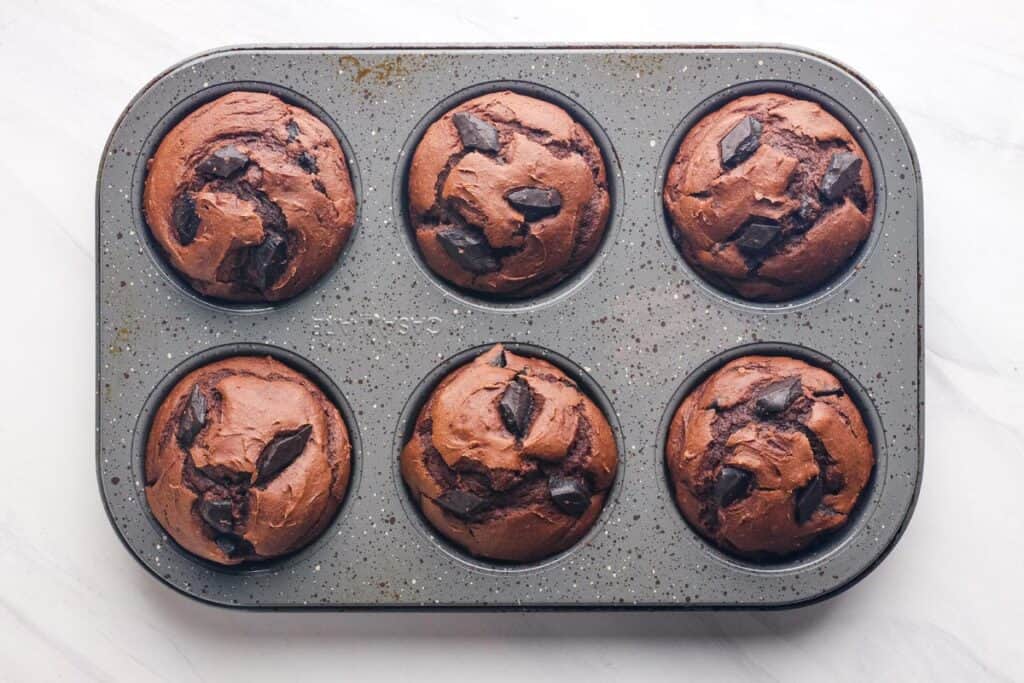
{"x":182,"y":108}
{"x":917,"y":450}
{"x":409,"y":415}
{"x":297,"y":362}
{"x":615,"y":182}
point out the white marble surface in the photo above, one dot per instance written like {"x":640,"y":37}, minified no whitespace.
{"x":948,"y":604}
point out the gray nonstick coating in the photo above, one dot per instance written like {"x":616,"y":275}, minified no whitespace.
{"x":636,"y":327}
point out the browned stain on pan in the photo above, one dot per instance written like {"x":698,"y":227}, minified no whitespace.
{"x":383,"y":72}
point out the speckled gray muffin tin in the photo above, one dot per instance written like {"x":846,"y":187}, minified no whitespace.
{"x":636,"y":326}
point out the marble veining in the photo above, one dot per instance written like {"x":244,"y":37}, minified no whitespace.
{"x":946,"y":605}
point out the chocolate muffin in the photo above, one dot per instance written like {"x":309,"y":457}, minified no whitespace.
{"x":768,"y":455}
{"x":246,"y":460}
{"x":509,"y":459}
{"x":507,"y":195}
{"x":769,"y":197}
{"x":250,"y":198}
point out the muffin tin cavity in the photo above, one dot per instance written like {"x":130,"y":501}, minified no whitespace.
{"x":511,"y":302}
{"x":206,"y":357}
{"x":187,"y":104}
{"x":634,"y":326}
{"x":828,"y":544}
{"x":857,"y":129}
{"x":407,"y":422}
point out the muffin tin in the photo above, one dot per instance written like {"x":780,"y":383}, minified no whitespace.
{"x":636,"y":326}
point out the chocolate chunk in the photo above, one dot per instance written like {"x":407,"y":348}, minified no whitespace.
{"x":740,"y":142}
{"x":515,"y":406}
{"x":834,"y":480}
{"x":571,"y":495}
{"x":280,"y":453}
{"x":234,"y":546}
{"x":777,"y":396}
{"x":267,"y":261}
{"x":499,"y":361}
{"x":223,"y":163}
{"x":193,"y":418}
{"x":807,"y":500}
{"x":732,"y":484}
{"x":185,"y":219}
{"x":476,"y":133}
{"x":805,"y":216}
{"x":757,"y":235}
{"x":308,"y":163}
{"x":227,"y":543}
{"x":535,"y":202}
{"x":461,"y":503}
{"x":468,"y":249}
{"x":842,"y":172}
{"x":217,"y":513}
{"x":293,"y":130}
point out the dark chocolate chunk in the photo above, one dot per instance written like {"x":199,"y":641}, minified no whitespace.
{"x":227,"y":543}
{"x":267,"y":261}
{"x":193,"y":418}
{"x":293,"y":130}
{"x":842,"y":172}
{"x":515,"y":406}
{"x":807,"y":500}
{"x":217,"y":513}
{"x":804,"y":217}
{"x":476,"y":133}
{"x":280,"y":453}
{"x":757,"y":235}
{"x":234,"y":546}
{"x":461,"y":503}
{"x":499,"y":361}
{"x":535,"y":202}
{"x":571,"y":495}
{"x":308,"y":163}
{"x":838,"y":391}
{"x":732,"y":485}
{"x":740,"y":142}
{"x":834,"y":480}
{"x":185,"y":219}
{"x":223,"y":163}
{"x":468,"y":249}
{"x":777,"y":396}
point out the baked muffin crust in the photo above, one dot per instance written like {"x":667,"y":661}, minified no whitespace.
{"x":509,"y":459}
{"x":507,"y":195}
{"x":768,"y":455}
{"x":769,"y":197}
{"x":246,"y":460}
{"x":250,"y":198}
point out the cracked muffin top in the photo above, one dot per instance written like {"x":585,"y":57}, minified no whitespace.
{"x":768,"y":455}
{"x":769,"y":197}
{"x":509,"y":459}
{"x":507,"y":195}
{"x":246,"y":460}
{"x":250,"y":198}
